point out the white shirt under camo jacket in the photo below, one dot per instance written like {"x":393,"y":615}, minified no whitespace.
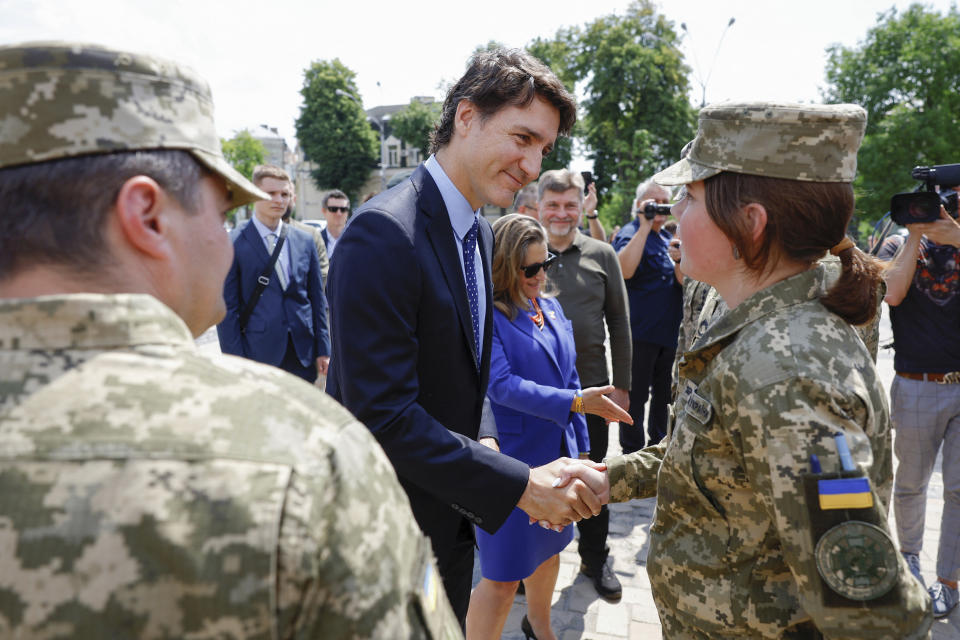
{"x":150,"y":492}
{"x":769,"y":383}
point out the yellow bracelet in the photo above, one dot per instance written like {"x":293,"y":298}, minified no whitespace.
{"x":578,"y":403}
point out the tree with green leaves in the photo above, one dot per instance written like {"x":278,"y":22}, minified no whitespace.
{"x":905,"y":73}
{"x":635,"y":115}
{"x":415,"y":123}
{"x":333,"y":130}
{"x":243,"y":152}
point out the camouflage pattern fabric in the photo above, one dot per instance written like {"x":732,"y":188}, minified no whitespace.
{"x":808,"y":142}
{"x":60,"y":100}
{"x":149,"y":492}
{"x":731,"y":556}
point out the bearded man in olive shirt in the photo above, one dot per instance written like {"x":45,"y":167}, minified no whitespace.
{"x":590,"y":290}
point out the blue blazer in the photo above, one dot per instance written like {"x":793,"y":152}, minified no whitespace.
{"x":300,"y":311}
{"x":532,"y":387}
{"x":404,"y":362}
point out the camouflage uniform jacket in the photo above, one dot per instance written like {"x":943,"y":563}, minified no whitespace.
{"x":731,"y":554}
{"x":147,"y":491}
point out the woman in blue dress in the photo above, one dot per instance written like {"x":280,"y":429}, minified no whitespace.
{"x":536,"y":398}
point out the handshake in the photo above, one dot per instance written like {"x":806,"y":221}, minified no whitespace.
{"x":565,"y":491}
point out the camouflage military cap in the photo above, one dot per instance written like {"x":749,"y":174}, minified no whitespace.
{"x":60,"y":100}
{"x":809,"y":142}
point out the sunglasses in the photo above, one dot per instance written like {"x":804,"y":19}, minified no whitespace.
{"x":531,"y":270}
{"x":338,"y":209}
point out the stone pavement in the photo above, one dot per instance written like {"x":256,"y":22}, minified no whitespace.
{"x":578,"y":612}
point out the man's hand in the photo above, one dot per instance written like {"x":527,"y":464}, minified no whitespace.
{"x":621,"y":397}
{"x":596,"y":479}
{"x":323,"y":363}
{"x":644,"y":222}
{"x":596,"y":402}
{"x":545,"y":500}
{"x":942,"y":231}
{"x":590,"y":202}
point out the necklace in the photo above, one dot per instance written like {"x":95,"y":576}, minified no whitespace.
{"x":538,"y":318}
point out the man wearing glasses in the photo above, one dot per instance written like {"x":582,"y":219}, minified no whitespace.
{"x":336,"y":210}
{"x":591,"y":290}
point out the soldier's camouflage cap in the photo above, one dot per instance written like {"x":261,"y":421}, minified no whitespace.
{"x":62,"y":99}
{"x":808,"y":142}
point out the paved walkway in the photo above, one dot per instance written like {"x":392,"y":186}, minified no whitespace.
{"x":579,"y":613}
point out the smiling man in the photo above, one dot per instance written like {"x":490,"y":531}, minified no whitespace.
{"x":411,"y":313}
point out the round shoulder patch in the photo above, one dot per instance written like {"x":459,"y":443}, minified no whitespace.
{"x":858,"y":560}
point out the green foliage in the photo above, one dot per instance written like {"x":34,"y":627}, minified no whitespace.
{"x":558,"y":55}
{"x":333,"y":130}
{"x":635,"y":115}
{"x":905,"y":73}
{"x":243,"y":152}
{"x":414,"y":124}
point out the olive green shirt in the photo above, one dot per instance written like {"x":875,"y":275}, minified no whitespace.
{"x":590,"y":289}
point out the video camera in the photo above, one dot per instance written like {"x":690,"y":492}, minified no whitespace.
{"x":652,"y":210}
{"x":923,"y":205}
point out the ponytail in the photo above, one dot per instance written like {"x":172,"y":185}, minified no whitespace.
{"x":853,"y":296}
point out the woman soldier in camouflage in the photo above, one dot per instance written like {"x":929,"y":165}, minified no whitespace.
{"x":750,"y":539}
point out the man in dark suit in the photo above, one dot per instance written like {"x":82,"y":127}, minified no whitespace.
{"x":336,"y":210}
{"x":411,"y":314}
{"x":288,"y":326}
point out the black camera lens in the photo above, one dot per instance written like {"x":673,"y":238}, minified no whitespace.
{"x":652,"y":210}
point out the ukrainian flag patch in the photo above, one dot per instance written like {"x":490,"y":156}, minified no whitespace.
{"x":845,"y":493}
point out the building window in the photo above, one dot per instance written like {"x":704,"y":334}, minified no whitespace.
{"x":392,"y":153}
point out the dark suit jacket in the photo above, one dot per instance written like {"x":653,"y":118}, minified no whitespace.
{"x":403,"y":359}
{"x":300,"y":311}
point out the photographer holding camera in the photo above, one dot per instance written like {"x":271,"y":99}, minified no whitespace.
{"x":656,"y":298}
{"x":923,"y":291}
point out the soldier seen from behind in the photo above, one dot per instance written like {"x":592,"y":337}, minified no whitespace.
{"x":147,"y":491}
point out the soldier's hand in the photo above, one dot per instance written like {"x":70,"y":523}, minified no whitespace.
{"x":545,"y":499}
{"x":593,"y":476}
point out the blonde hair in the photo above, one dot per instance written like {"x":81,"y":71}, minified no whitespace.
{"x":513,"y":235}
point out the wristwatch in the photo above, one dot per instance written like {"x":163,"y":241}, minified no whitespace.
{"x":594,"y":216}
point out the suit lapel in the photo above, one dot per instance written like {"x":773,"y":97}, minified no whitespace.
{"x":485,"y":239}
{"x":527,"y":327}
{"x":442,"y":239}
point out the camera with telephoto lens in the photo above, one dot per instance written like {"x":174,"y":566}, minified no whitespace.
{"x":652,"y":209}
{"x":923,"y":205}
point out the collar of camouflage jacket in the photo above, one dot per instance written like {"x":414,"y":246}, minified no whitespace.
{"x":792,"y":291}
{"x":89,"y":321}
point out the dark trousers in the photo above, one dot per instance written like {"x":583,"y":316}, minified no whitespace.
{"x":593,"y":547}
{"x":652,"y":367}
{"x":455,"y":564}
{"x":291,"y":364}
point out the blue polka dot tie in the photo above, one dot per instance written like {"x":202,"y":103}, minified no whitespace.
{"x":469,"y":269}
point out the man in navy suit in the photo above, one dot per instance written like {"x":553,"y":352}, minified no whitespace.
{"x":288,"y":326}
{"x":411,"y":314}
